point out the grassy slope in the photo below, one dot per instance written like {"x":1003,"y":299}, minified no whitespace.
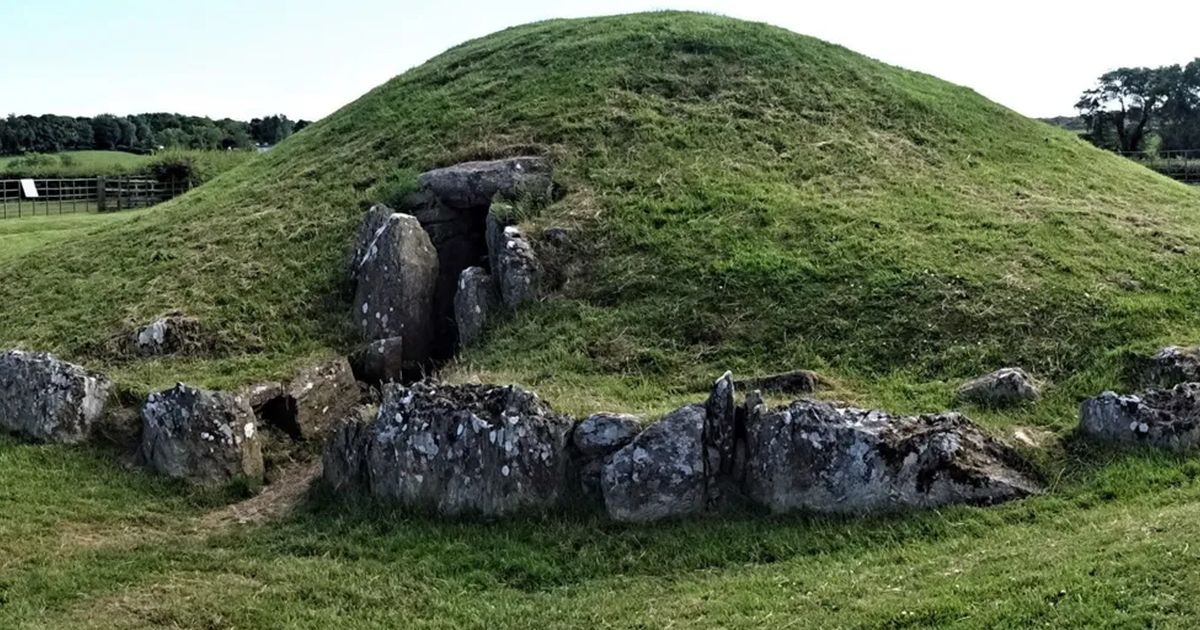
{"x":746,"y":198}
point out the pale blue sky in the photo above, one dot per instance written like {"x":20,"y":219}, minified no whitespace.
{"x":306,"y":58}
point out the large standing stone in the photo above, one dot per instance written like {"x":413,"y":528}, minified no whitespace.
{"x":204,"y":437}
{"x":321,"y":396}
{"x":368,"y":229}
{"x":597,"y":437}
{"x":1003,"y":388}
{"x":457,"y":450}
{"x":719,"y":425}
{"x":518,"y":271}
{"x":380,"y":361}
{"x":396,"y":281}
{"x":814,"y":456}
{"x":475,"y":184}
{"x":474,"y":303}
{"x":48,"y":400}
{"x":1162,"y":418}
{"x":661,"y":473}
{"x":1169,"y":367}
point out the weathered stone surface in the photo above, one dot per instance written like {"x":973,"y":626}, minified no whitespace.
{"x":474,"y":302}
{"x":603,"y":433}
{"x":518,"y":271}
{"x":47,"y":400}
{"x":794,"y":382}
{"x":1161,"y":418}
{"x":475,"y":184}
{"x":720,"y":426}
{"x":167,"y":335}
{"x":498,"y":217}
{"x":344,"y":458}
{"x":456,"y":450}
{"x":814,"y":456}
{"x":372,"y":222}
{"x":661,"y":473}
{"x":204,"y":437}
{"x":1169,"y":367}
{"x":380,"y":361}
{"x":321,"y":395}
{"x":396,"y":281}
{"x":1003,"y":388}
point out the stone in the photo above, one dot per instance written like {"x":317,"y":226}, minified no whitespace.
{"x":518,"y":272}
{"x":456,"y":450}
{"x":1161,"y":418}
{"x":343,"y":459}
{"x":204,"y":437}
{"x":1003,"y":388}
{"x":167,"y":335}
{"x":794,"y":382}
{"x":661,"y":473}
{"x":720,"y":425}
{"x":557,"y":236}
{"x":368,"y":229}
{"x":499,"y":216}
{"x":815,"y":456}
{"x":603,"y":433}
{"x":474,"y":302}
{"x":380,"y":361}
{"x":476,"y":184}
{"x":320,"y":396}
{"x":397,"y":278}
{"x":1170,"y":367}
{"x":44,"y":399}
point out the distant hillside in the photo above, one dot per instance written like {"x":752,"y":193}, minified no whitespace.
{"x":743,"y":197}
{"x":1070,"y":123}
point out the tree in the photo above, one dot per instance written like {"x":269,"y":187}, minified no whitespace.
{"x":1124,"y":101}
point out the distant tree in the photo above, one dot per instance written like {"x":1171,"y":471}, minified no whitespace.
{"x":271,"y":130}
{"x":1124,"y":102}
{"x":106,"y":132}
{"x":301,"y":124}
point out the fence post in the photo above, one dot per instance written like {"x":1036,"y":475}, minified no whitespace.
{"x":101,"y":194}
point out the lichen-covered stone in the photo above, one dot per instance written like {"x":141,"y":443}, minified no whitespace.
{"x":518,"y":271}
{"x":661,"y":473}
{"x":1170,"y":367}
{"x":204,"y":437}
{"x":323,"y":394}
{"x":476,"y":184}
{"x":368,"y":230}
{"x":47,"y":400}
{"x":457,"y":449}
{"x":815,"y":456}
{"x":167,"y":335}
{"x":1161,"y":418}
{"x":1003,"y":388}
{"x":474,"y":302}
{"x":397,"y":277}
{"x":603,"y":433}
{"x":719,"y":425}
{"x":380,"y":361}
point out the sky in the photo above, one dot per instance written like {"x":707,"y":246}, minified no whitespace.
{"x":306,"y":58}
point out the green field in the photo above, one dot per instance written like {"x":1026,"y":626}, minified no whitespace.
{"x":744,"y":198}
{"x":84,"y":163}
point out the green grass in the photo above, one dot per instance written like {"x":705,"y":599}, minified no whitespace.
{"x":745,"y":198}
{"x":115,"y":163}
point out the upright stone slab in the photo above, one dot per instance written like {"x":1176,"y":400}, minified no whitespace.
{"x":47,"y":400}
{"x":815,"y":456}
{"x":397,"y":277}
{"x":457,"y":449}
{"x":474,"y":303}
{"x":661,"y":473}
{"x":719,"y":426}
{"x":204,"y":437}
{"x":368,"y":229}
{"x":322,"y":396}
{"x":518,"y":271}
{"x":1160,"y":418}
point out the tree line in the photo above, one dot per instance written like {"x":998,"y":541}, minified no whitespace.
{"x":139,"y":133}
{"x":1144,"y":109}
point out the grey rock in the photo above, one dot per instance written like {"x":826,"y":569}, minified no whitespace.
{"x":344,"y":458}
{"x":166,"y":335}
{"x":474,"y":302}
{"x":1170,"y":367}
{"x":794,"y":382}
{"x":206,"y":438}
{"x":47,"y":400}
{"x":456,"y":449}
{"x":368,"y":229}
{"x":321,"y":396}
{"x":397,"y":277}
{"x":815,"y":456}
{"x":1161,"y":418}
{"x":603,"y":433}
{"x":720,"y":425}
{"x":661,"y":473}
{"x":380,"y":361}
{"x":498,"y":217}
{"x":1003,"y":388}
{"x":518,"y":271}
{"x":475,"y":184}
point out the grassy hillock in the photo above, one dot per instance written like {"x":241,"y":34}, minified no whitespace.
{"x":742,"y":198}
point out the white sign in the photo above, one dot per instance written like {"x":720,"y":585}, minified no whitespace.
{"x":29,"y":188}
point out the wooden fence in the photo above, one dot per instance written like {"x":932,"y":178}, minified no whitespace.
{"x":1181,"y":165}
{"x":91,"y":194}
